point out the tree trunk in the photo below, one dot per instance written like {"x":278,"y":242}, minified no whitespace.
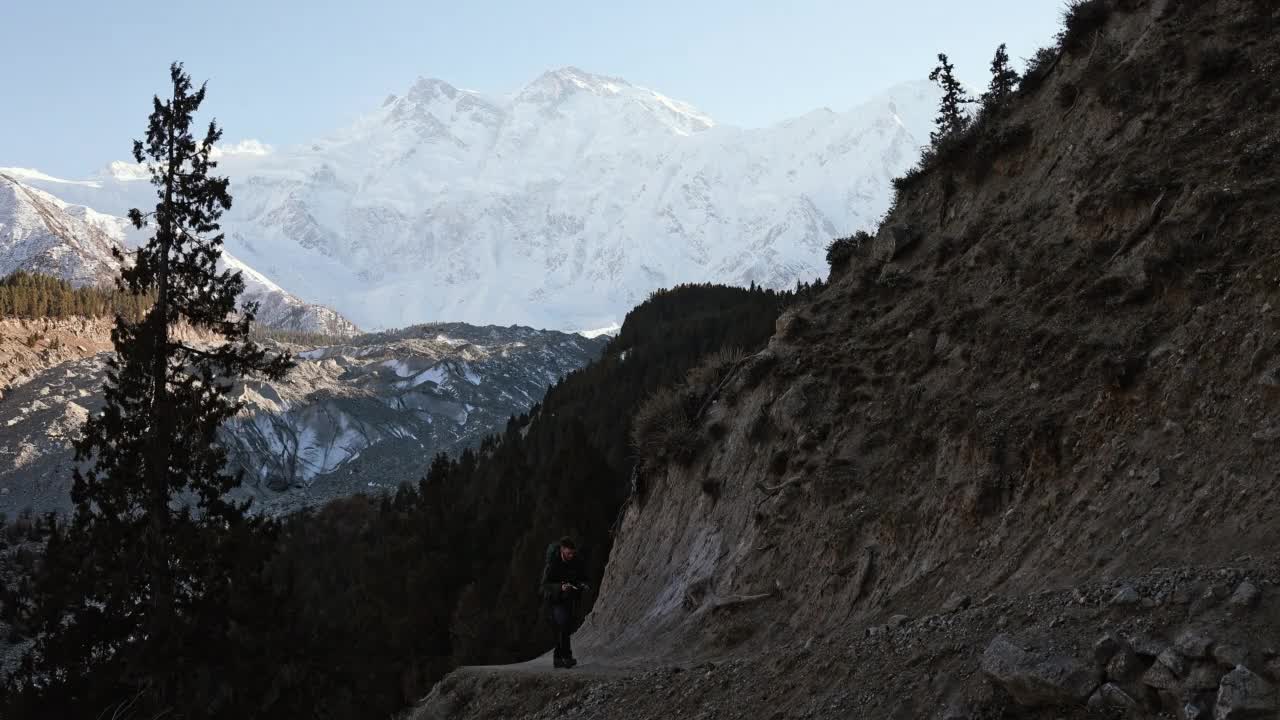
{"x":162,"y":425}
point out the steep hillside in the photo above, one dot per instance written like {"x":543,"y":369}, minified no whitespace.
{"x":562,"y":205}
{"x":39,"y":233}
{"x":1040,"y":401}
{"x":353,"y":608}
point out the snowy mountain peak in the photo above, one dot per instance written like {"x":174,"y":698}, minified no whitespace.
{"x":41,"y":233}
{"x":38,"y":234}
{"x":555,"y":88}
{"x":125,"y":171}
{"x":570,"y":79}
{"x":561,"y":205}
{"x":431,"y":88}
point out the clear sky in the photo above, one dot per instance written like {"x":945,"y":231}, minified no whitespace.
{"x":79,"y":74}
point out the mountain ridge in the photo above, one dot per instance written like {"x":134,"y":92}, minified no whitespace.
{"x":560,"y":205}
{"x":40,"y":232}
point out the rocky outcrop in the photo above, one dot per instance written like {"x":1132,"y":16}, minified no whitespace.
{"x":994,"y":415}
{"x":1023,"y":393}
{"x":1038,"y":679}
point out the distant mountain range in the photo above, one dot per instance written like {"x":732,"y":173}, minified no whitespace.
{"x":42,"y":233}
{"x":359,"y":416}
{"x":561,"y":206}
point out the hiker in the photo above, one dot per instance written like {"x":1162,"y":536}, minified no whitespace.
{"x":562,"y":587}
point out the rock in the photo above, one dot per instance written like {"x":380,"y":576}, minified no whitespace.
{"x":894,"y":242}
{"x":1267,"y":435}
{"x":956,"y":603}
{"x":1126,"y":597}
{"x":789,"y":325}
{"x":1203,"y":676}
{"x":898,"y":621}
{"x":1244,"y":694}
{"x":1186,"y":593}
{"x":1161,"y":677}
{"x":1105,"y":648}
{"x":1124,"y":666}
{"x":1147,"y":645}
{"x":1037,"y":680}
{"x":1195,"y":711}
{"x":1216,"y":591}
{"x":794,"y":405}
{"x":1246,"y":595}
{"x":1193,"y":644}
{"x":1230,"y":655}
{"x":1109,"y":696}
{"x":1173,"y":660}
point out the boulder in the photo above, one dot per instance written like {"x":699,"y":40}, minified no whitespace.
{"x":1246,"y":595}
{"x":1035,"y":679}
{"x":1230,"y":655}
{"x":1173,"y":660}
{"x":1195,"y":711}
{"x":1125,"y":666}
{"x":1126,"y":597}
{"x":1203,"y":676}
{"x":1161,"y":677}
{"x":1110,"y":696}
{"x":1243,"y":695}
{"x":1105,"y":648}
{"x":1193,"y":644}
{"x":894,"y":242}
{"x":956,"y":603}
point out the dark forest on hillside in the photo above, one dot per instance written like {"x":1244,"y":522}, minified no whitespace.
{"x":36,"y":296}
{"x":354,"y":609}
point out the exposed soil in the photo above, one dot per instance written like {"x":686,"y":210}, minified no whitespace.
{"x":929,"y":666}
{"x":1051,"y":375}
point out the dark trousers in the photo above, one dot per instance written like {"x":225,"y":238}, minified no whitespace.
{"x":562,"y":622}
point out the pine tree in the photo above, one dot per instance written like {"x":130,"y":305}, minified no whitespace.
{"x":151,"y":509}
{"x":951,"y":117}
{"x":1003,"y":79}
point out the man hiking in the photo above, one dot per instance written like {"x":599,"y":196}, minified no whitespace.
{"x":562,"y":586}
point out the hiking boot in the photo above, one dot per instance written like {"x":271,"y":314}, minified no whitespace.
{"x":568,"y":662}
{"x":559,"y":662}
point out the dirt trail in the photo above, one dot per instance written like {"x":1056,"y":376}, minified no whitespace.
{"x":935,"y":665}
{"x":589,"y":667}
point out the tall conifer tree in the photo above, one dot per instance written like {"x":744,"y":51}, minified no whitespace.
{"x":142,"y":556}
{"x":951,"y":116}
{"x":1003,"y":79}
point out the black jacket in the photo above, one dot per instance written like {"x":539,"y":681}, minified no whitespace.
{"x":556,"y":571}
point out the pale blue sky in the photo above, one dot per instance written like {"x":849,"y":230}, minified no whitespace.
{"x":79,"y":74}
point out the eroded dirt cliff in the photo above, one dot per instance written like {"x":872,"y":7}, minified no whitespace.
{"x":1049,"y":378}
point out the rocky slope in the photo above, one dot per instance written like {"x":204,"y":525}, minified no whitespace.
{"x":41,"y":233}
{"x":360,"y":416}
{"x":562,"y":205}
{"x":1039,"y":403}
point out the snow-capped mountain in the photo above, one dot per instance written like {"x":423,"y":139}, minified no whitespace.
{"x":360,"y":416}
{"x":561,"y":205}
{"x":41,"y":233}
